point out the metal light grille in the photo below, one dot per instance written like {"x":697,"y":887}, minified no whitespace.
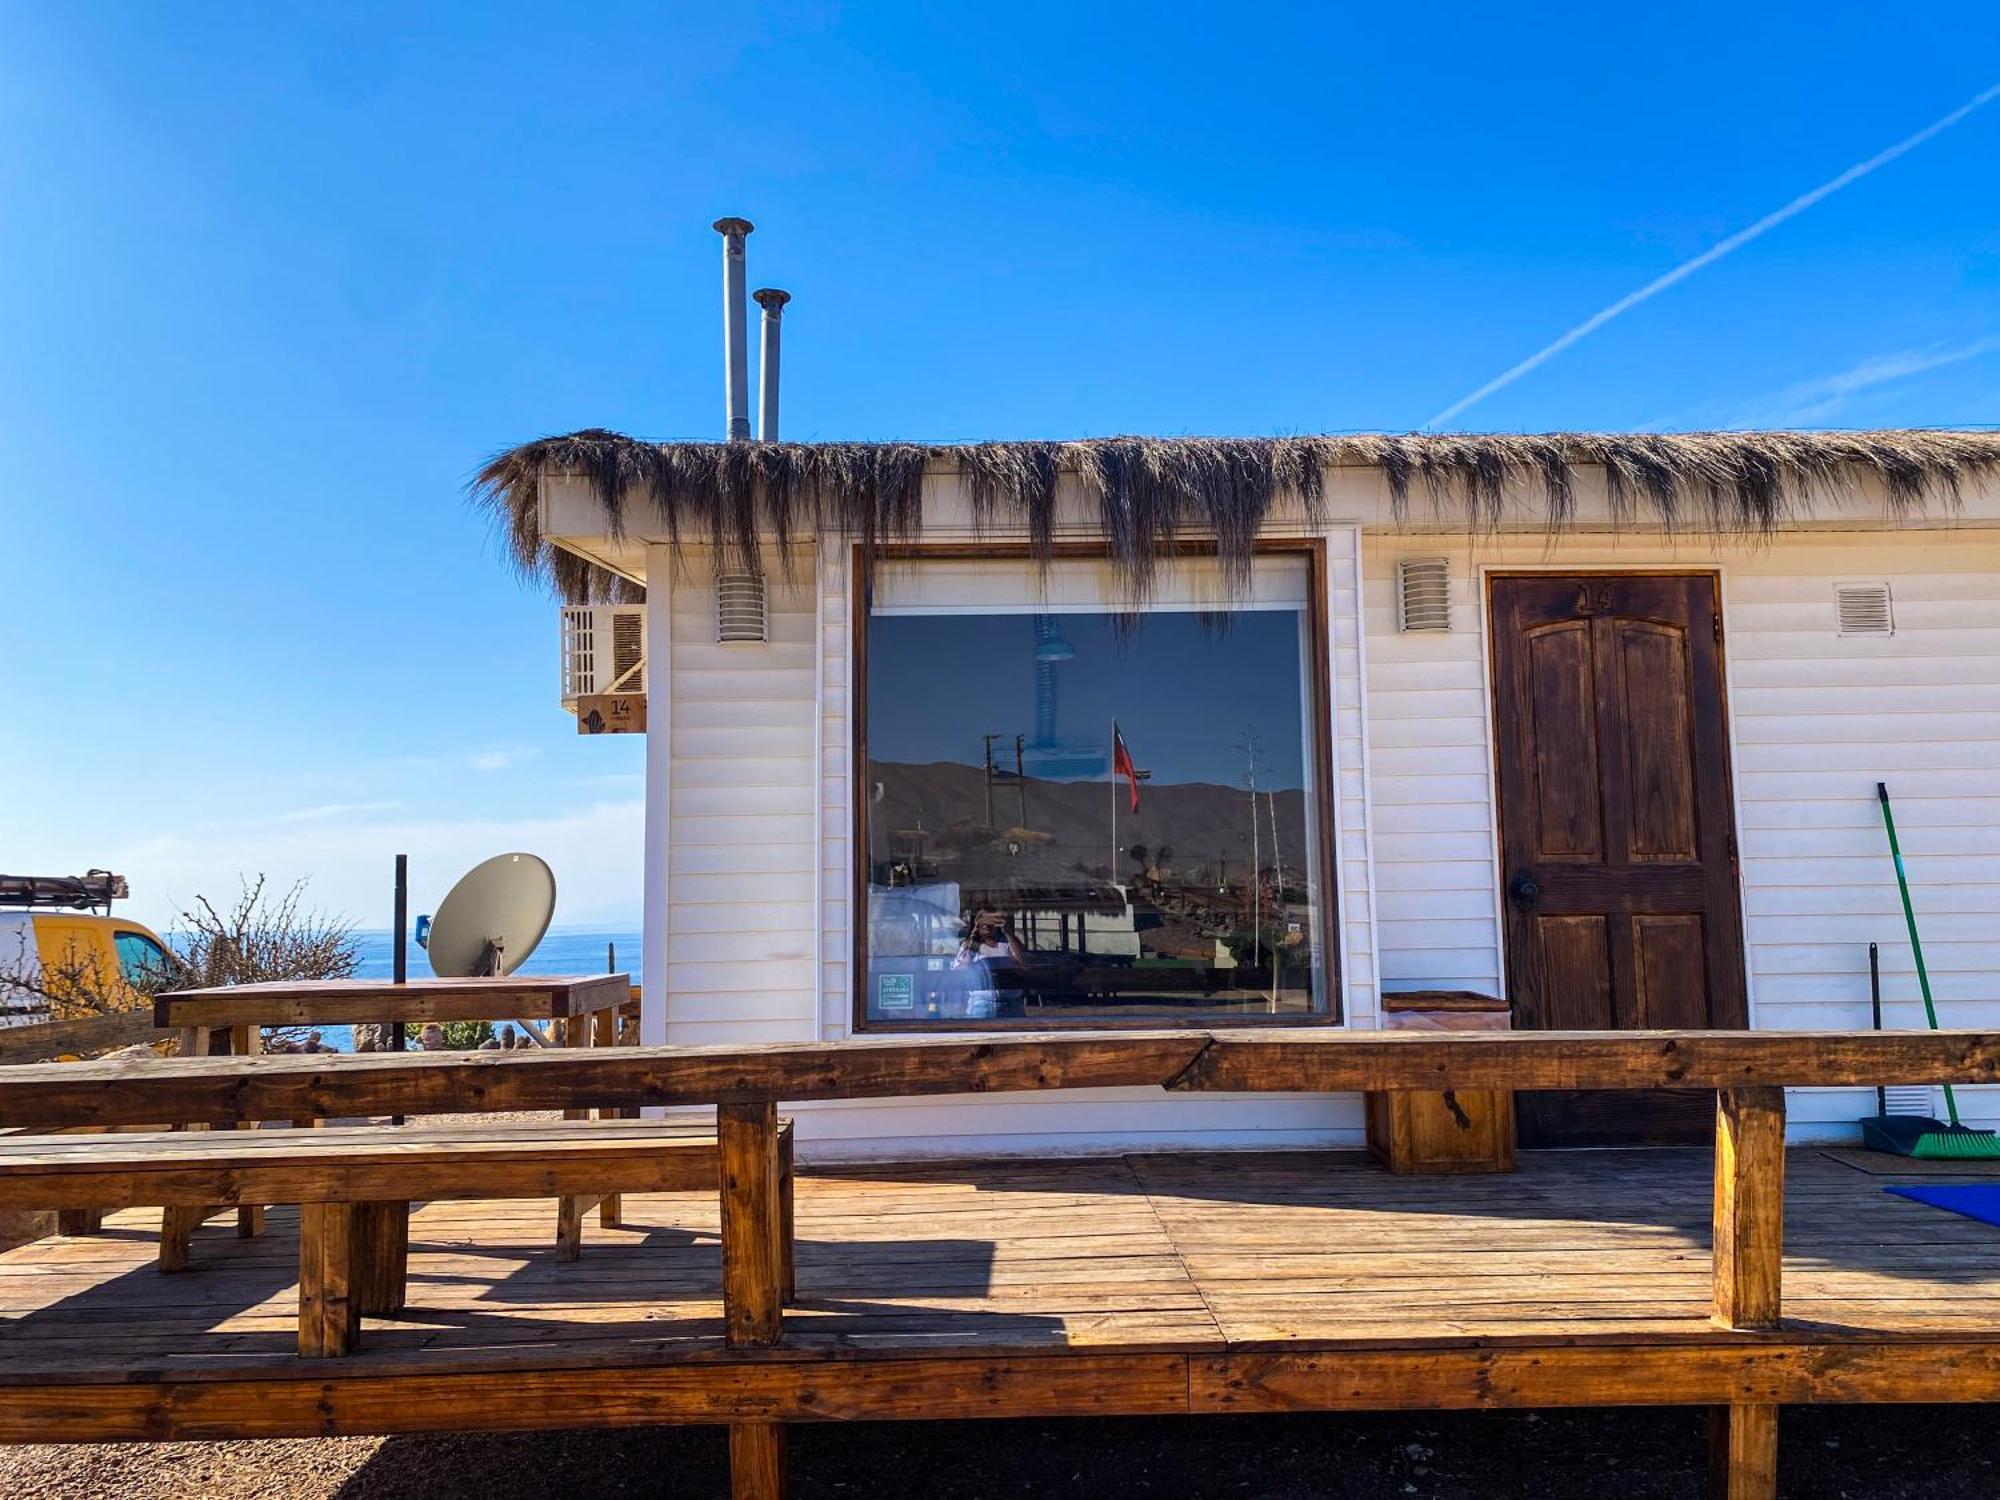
{"x":1864,"y":609}
{"x":741,"y":609}
{"x":1423,"y":594}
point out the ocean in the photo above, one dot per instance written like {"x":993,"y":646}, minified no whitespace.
{"x":562,"y":951}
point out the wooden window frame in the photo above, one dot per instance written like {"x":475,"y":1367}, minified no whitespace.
{"x":1320,"y":708}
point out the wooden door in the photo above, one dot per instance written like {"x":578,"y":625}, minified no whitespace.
{"x":1618,"y":858}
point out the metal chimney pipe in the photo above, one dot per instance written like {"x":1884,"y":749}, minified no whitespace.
{"x":735,"y":328}
{"x":773,"y":302}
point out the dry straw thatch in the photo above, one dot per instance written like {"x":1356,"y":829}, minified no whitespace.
{"x":1151,"y":493}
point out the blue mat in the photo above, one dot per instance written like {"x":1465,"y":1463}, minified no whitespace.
{"x":1979,"y":1201}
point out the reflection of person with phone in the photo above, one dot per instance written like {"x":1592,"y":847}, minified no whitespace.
{"x":989,"y":937}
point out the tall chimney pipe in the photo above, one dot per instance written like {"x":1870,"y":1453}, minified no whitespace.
{"x":735,"y":328}
{"x":773,"y":302}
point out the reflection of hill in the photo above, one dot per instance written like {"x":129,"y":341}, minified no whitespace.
{"x":1204,"y":825}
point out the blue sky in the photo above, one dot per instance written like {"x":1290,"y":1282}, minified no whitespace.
{"x":274,"y":278}
{"x":1246,"y":674}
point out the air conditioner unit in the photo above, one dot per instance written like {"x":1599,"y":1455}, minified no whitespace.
{"x":603,"y":650}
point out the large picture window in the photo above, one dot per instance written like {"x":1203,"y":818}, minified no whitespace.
{"x":1074,"y":811}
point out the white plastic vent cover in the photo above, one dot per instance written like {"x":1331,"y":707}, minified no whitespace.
{"x":1423,"y":593}
{"x":1909,"y":1099}
{"x":603,"y":650}
{"x":1864,"y":609}
{"x":742,"y":612}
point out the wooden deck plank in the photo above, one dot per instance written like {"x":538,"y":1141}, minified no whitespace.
{"x":1267,"y":1283}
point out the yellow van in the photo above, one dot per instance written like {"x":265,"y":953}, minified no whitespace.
{"x":50,"y":956}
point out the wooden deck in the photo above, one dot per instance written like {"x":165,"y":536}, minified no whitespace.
{"x":1192,"y":1284}
{"x":1135,"y":1284}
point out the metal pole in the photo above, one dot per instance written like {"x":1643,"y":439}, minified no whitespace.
{"x":735,"y":331}
{"x":399,"y":952}
{"x":1114,"y":802}
{"x":773,"y":302}
{"x":399,"y":949}
{"x":1875,"y":1010}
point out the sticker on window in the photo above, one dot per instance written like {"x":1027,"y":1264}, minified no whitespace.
{"x":895,"y":992}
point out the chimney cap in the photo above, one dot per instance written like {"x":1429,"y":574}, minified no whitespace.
{"x":770,"y":298}
{"x":732,"y":226}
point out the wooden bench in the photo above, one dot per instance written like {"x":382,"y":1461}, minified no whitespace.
{"x":354,"y":1187}
{"x":178,"y":1222}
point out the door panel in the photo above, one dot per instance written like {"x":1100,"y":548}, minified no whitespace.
{"x":1660,"y":781}
{"x":1617,"y":853}
{"x":1575,"y":955}
{"x":1664,"y":949}
{"x":1564,"y":707}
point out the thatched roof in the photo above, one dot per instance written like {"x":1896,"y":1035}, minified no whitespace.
{"x":1151,"y":492}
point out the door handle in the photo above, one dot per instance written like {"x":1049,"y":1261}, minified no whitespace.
{"x":1524,"y":890}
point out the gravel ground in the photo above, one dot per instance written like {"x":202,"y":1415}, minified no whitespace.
{"x":1828,"y":1453}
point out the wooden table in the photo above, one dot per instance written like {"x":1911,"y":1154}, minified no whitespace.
{"x":582,"y":1012}
{"x":584,"y":1008}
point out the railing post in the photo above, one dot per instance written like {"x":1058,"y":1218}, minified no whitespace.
{"x":1743,"y":1451}
{"x":751,"y":1222}
{"x":1749,"y":1207}
{"x":757,"y":1461}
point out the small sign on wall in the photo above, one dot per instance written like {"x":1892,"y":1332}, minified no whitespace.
{"x":611,"y":713}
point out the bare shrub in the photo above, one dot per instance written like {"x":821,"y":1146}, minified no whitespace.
{"x":259,"y":939}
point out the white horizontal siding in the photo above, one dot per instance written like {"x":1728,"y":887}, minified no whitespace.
{"x":743,"y":842}
{"x":1816,"y":720}
{"x":1815,"y":730}
{"x":834,"y":808}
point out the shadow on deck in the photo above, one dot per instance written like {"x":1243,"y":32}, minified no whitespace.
{"x":1183,"y":1253}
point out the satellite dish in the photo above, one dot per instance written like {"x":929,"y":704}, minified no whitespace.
{"x":493,"y":918}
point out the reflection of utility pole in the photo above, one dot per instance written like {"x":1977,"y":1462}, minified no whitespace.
{"x":1277,"y":890}
{"x":1256,"y":863}
{"x":986,"y":741}
{"x":1021,"y":775}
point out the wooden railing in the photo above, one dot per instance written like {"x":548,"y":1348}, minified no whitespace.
{"x":41,"y":1041}
{"x":227,"y":1090}
{"x":1748,"y":1071}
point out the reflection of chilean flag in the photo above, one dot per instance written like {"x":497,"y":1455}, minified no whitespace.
{"x":1121,"y":763}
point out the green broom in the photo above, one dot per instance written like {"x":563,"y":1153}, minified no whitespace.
{"x":1916,"y":1135}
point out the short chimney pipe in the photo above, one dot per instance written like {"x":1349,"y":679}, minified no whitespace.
{"x":735,"y":328}
{"x":773,"y":302}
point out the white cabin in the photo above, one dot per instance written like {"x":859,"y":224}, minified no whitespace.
{"x":1615,"y":773}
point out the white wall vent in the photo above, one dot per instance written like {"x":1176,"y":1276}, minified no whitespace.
{"x":1423,"y":593}
{"x":603,"y":650}
{"x":1909,"y":1099}
{"x":742,"y":611}
{"x":1864,"y":609}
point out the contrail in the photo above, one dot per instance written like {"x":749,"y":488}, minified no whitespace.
{"x":1715,"y":252}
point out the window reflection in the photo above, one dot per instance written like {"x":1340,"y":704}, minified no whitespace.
{"x":1090,"y":816}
